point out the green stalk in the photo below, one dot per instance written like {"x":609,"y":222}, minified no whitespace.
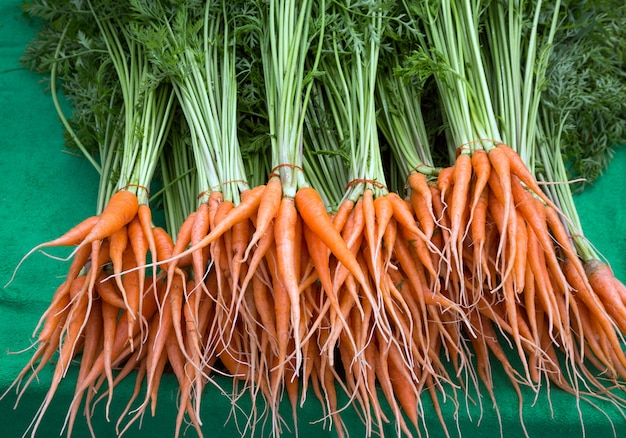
{"x":350,"y":77}
{"x":180,"y":188}
{"x":518,"y":53}
{"x":61,"y":114}
{"x":146,"y":107}
{"x":285,"y":46}
{"x":400,"y":119}
{"x":458,"y":69}
{"x":554,"y":176}
{"x":325,"y":155}
{"x":194,"y":49}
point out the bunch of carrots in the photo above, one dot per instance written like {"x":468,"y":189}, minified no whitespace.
{"x":330,"y":251}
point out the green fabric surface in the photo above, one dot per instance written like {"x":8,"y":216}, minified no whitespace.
{"x":45,"y":189}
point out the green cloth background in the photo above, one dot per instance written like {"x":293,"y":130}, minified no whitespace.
{"x":45,"y":189}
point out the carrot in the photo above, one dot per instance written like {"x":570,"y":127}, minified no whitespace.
{"x":384,"y":215}
{"x":155,"y":362}
{"x":264,"y":244}
{"x":521,"y":171}
{"x":418,"y":312}
{"x":99,"y":258}
{"x":311,"y":376}
{"x":313,"y":213}
{"x":109,"y":292}
{"x":314,"y":216}
{"x":441,"y":235}
{"x":481,"y":167}
{"x":219,"y":254}
{"x":75,"y":323}
{"x":285,"y":237}
{"x":183,"y":237}
{"x":119,"y":211}
{"x":445,"y":180}
{"x":117,"y":245}
{"x":320,"y":255}
{"x":109,"y":323}
{"x":521,"y":250}
{"x":534,"y":213}
{"x":92,"y":347}
{"x":422,"y":202}
{"x":509,"y":252}
{"x":264,"y":306}
{"x":424,"y":256}
{"x":390,"y":234}
{"x":421,"y":211}
{"x":403,"y":385}
{"x":199,"y":229}
{"x":177,"y":361}
{"x":532,"y":311}
{"x":140,"y":245}
{"x":281,"y":318}
{"x":591,"y":335}
{"x":327,"y":379}
{"x":158,"y":377}
{"x":193,"y":341}
{"x":233,"y":359}
{"x":606,"y":287}
{"x":185,"y":406}
{"x":513,"y":317}
{"x":561,"y":235}
{"x":596,"y":309}
{"x":267,"y":211}
{"x":132,"y":293}
{"x":495,"y":347}
{"x":164,"y":244}
{"x":483,"y":363}
{"x":160,"y":327}
{"x":423,"y":246}
{"x":292,"y":386}
{"x":478,"y":233}
{"x":342,"y":213}
{"x":352,"y":232}
{"x":206,"y":313}
{"x":369,"y":214}
{"x":356,"y":386}
{"x":457,"y":206}
{"x":392,"y":299}
{"x":370,"y":353}
{"x":81,"y":302}
{"x":240,"y":239}
{"x":384,"y":379}
{"x":56,"y":314}
{"x":536,"y":324}
{"x":544,"y":290}
{"x":175,"y":297}
{"x":501,"y":167}
{"x":72,"y":237}
{"x":144,"y":215}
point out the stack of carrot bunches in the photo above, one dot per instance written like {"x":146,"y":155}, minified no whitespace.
{"x":351,"y":205}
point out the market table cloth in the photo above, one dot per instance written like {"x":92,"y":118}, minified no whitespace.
{"x":46,"y":188}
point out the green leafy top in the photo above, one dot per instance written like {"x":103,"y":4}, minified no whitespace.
{"x":585,"y":95}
